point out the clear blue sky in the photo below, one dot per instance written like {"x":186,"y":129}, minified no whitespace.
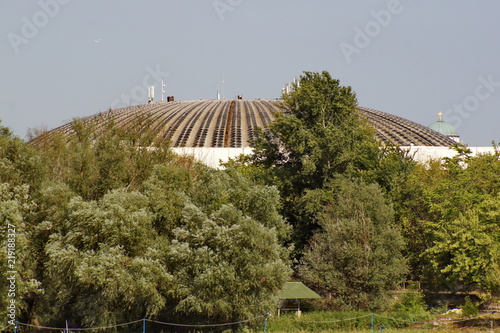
{"x":62,"y":59}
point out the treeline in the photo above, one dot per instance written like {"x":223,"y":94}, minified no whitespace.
{"x":108,"y":231}
{"x":111,"y":226}
{"x":366,"y":217}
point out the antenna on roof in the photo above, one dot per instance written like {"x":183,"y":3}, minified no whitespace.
{"x":287,"y":88}
{"x":151,"y":94}
{"x":296,"y":82}
{"x":291,"y":86}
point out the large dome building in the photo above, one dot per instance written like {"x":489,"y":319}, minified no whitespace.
{"x":231,"y":123}
{"x":215,"y":130}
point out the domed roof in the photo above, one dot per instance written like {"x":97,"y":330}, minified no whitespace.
{"x":231,"y":123}
{"x":443,"y":127}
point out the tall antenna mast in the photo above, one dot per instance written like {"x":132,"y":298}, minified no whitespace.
{"x":151,"y":94}
{"x":222,"y":85}
{"x":162,"y":90}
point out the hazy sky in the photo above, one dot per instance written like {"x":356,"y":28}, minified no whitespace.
{"x":62,"y":59}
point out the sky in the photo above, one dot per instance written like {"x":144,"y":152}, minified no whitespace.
{"x":62,"y":59}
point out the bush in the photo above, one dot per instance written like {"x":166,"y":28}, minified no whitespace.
{"x":470,"y":309}
{"x":411,"y":301}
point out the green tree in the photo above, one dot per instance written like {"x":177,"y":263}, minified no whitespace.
{"x":105,"y":266}
{"x":319,"y":135}
{"x":317,"y":138}
{"x":16,"y":207}
{"x":119,"y":228}
{"x":313,"y":146}
{"x":356,"y":256}
{"x":450,"y":210}
{"x":93,"y":160}
{"x":22,"y":173}
{"x":229,"y":265}
{"x":195,"y":245}
{"x":466,"y":252}
{"x":226,"y":239}
{"x":19,"y":162}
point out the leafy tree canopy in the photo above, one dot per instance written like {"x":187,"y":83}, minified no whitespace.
{"x":117,"y":230}
{"x":356,"y":257}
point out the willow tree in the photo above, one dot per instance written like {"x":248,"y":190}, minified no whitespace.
{"x":114,"y":232}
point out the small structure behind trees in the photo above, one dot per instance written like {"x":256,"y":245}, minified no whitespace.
{"x":295,"y":291}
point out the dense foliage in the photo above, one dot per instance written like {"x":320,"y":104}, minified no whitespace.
{"x":109,"y":231}
{"x":332,"y":176}
{"x":356,"y":257}
{"x":318,"y":138}
{"x":435,"y":223}
{"x":452,"y":214}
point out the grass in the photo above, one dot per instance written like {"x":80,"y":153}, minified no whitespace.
{"x":329,"y":322}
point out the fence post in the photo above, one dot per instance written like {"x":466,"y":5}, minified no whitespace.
{"x":373,"y":323}
{"x":144,"y":325}
{"x":265,"y":321}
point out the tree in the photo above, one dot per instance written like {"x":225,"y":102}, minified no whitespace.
{"x":466,"y":252}
{"x":229,"y":265}
{"x":19,"y":162}
{"x":451,"y":212}
{"x":22,"y":172}
{"x":16,"y":264}
{"x":319,"y":137}
{"x":226,"y":237}
{"x":153,"y":235}
{"x":94,"y":159}
{"x":105,"y":267}
{"x":356,"y":256}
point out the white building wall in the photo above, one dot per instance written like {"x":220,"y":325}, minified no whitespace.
{"x":214,"y":156}
{"x":423,"y":154}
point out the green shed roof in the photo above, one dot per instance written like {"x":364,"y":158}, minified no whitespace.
{"x":297,"y":290}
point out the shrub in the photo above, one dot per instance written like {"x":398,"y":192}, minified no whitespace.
{"x":411,"y":301}
{"x":470,"y":309}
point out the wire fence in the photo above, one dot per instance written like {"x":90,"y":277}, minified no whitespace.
{"x":372,"y":321}
{"x":141,"y":325}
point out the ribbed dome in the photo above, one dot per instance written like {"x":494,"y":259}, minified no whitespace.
{"x":231,"y":123}
{"x":443,"y":127}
